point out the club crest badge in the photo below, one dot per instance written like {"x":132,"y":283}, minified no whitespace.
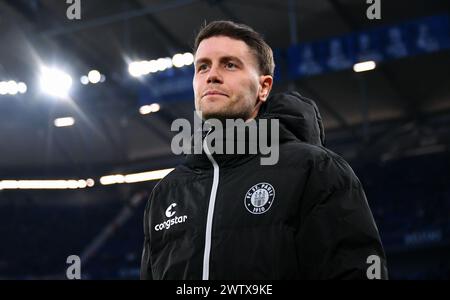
{"x":259,"y":198}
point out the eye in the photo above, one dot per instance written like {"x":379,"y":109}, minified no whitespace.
{"x":202,"y":67}
{"x":230,"y":65}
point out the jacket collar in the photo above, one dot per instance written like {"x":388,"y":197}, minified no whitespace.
{"x":299,"y":120}
{"x":219,"y":139}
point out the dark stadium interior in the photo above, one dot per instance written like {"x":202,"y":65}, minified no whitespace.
{"x":392,"y":124}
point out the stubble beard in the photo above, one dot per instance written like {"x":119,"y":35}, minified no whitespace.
{"x":244,"y":112}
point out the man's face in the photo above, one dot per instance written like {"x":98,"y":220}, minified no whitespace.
{"x":227,"y":83}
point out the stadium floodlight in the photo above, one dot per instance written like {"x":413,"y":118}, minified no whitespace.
{"x":43,"y":184}
{"x":161,"y":62}
{"x":82,"y":183}
{"x":3,"y":88}
{"x":22,"y":87}
{"x":154,"y":107}
{"x":55,"y":82}
{"x":144,"y":67}
{"x":133,"y":69}
{"x":64,"y":122}
{"x":188,"y":58}
{"x":147,"y":176}
{"x":136,"y":68}
{"x":168,"y":62}
{"x":84,"y":80}
{"x":112,"y":179}
{"x":364,"y":66}
{"x":136,"y":177}
{"x":90,"y":182}
{"x":11,"y":87}
{"x":153,"y":65}
{"x":178,"y":60}
{"x":94,"y":76}
{"x":146,"y":109}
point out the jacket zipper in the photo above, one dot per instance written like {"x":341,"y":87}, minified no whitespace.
{"x":209,"y":220}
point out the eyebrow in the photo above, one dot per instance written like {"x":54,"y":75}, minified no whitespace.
{"x":222,"y":59}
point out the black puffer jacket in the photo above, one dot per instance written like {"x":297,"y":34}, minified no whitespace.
{"x":229,"y":217}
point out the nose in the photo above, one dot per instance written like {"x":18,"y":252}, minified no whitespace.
{"x":214,"y":76}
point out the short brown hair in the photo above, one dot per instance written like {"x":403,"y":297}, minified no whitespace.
{"x":253,"y":39}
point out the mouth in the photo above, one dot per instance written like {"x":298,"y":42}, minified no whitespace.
{"x":214,"y":93}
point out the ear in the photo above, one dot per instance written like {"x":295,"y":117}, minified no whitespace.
{"x":265,"y":85}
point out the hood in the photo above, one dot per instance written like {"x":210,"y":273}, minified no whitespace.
{"x":299,"y":117}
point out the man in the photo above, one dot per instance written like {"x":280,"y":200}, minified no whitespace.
{"x":227,"y":216}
